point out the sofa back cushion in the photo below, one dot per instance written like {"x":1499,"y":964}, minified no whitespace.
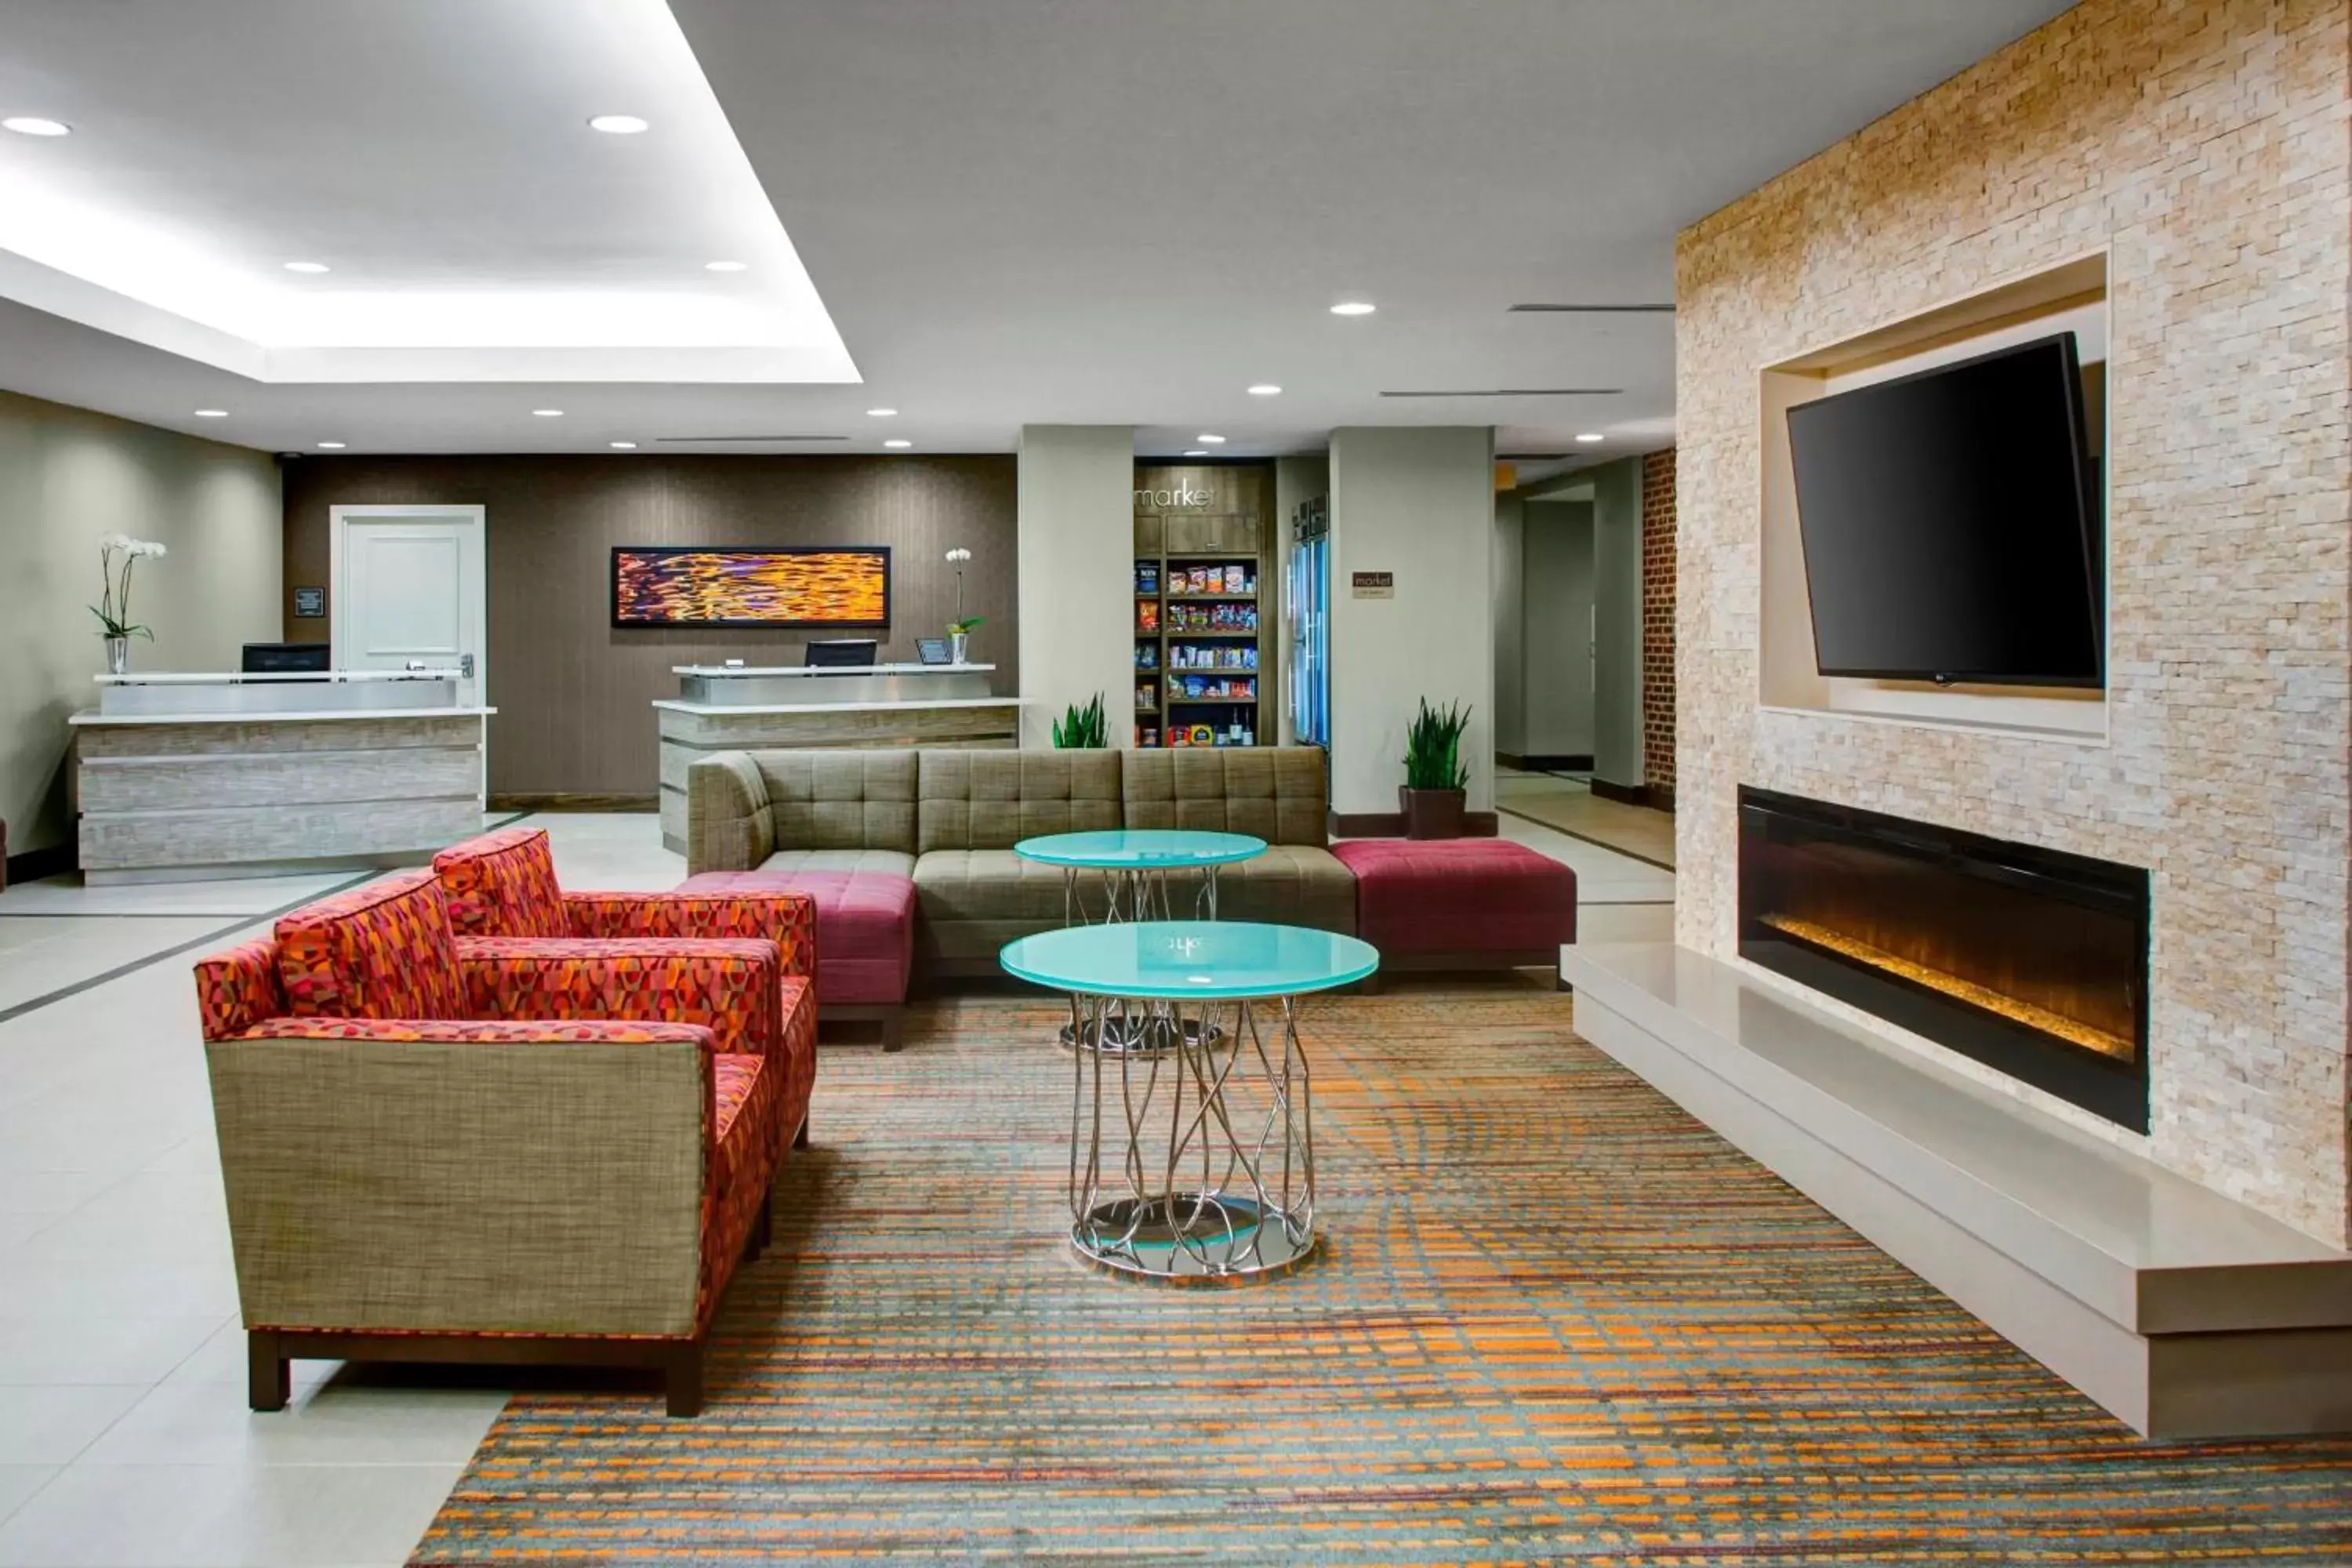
{"x":994,"y":799}
{"x":502,"y":884}
{"x":1273,"y":793}
{"x":841,"y":799}
{"x":384,"y":951}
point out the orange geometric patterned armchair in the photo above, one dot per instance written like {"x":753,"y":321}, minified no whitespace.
{"x":495,"y":1149}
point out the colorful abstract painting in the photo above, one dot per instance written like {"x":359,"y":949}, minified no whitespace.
{"x":844,"y":586}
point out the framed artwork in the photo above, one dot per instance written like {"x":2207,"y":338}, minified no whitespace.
{"x":777,"y":586}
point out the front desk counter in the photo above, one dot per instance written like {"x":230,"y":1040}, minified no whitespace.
{"x":185,"y":777}
{"x":727,"y":708}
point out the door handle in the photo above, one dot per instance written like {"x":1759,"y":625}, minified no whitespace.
{"x":466,"y":665}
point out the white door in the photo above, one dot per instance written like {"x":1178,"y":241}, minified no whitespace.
{"x":408,"y":590}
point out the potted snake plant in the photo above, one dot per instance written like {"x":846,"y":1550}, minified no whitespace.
{"x":1083,"y":729}
{"x":1435,"y":781}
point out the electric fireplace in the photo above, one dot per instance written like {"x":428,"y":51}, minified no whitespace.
{"x":2030,"y":961}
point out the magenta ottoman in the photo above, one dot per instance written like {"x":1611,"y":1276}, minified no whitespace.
{"x":865,"y":937}
{"x":1460,"y":903}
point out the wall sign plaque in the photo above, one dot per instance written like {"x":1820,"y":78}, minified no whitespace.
{"x":1373,"y":584}
{"x":310,"y":604}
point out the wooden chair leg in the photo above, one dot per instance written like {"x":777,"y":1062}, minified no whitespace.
{"x":890,"y":1020}
{"x":800,"y":1139}
{"x":682,"y":1380}
{"x":270,"y":1381}
{"x":757,"y":1242}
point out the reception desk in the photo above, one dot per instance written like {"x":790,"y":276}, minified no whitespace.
{"x":726,"y":708}
{"x":180,"y":777}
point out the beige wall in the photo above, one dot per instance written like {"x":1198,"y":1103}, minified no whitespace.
{"x":1077,"y":575}
{"x":1419,"y":503}
{"x":67,"y":478}
{"x":2206,"y":147}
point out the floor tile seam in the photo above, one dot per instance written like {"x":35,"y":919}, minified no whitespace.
{"x":214,"y":935}
{"x":22,"y":1503}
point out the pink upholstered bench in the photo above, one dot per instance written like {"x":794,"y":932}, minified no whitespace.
{"x":1460,"y":903}
{"x":865,"y":937}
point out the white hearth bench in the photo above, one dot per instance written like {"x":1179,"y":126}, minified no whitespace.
{"x":2182,"y":1312}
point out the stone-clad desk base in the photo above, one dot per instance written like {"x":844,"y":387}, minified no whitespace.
{"x":2182,"y":1312}
{"x":690,"y":731}
{"x":186,"y":798}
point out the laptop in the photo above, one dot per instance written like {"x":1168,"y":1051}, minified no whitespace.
{"x":841,"y":653}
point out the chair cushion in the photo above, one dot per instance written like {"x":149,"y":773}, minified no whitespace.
{"x":1290,"y":884}
{"x":840,"y":800}
{"x":1273,"y":793}
{"x":732,"y":985}
{"x":865,"y":923}
{"x":1459,"y":896}
{"x":994,"y":799}
{"x":383,"y":950}
{"x":747,"y":1140}
{"x":502,"y":884}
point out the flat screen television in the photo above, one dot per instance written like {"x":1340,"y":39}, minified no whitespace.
{"x":1948,"y":526}
{"x":784,"y":585}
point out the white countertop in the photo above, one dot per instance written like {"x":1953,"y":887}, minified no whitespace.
{"x":737,"y":671}
{"x":299,"y":716}
{"x":722,"y":709}
{"x":258,"y":677}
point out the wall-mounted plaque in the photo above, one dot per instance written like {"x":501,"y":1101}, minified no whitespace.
{"x":310,"y":604}
{"x":1373,"y":584}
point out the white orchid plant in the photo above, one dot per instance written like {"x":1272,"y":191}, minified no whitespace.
{"x":117,"y":554}
{"x":962,"y":624}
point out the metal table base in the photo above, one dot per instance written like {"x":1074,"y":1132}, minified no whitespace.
{"x":1134,"y":893}
{"x":1211,"y":1174}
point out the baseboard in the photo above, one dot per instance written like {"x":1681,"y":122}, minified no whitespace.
{"x":565,"y":800}
{"x":1390,"y":824}
{"x":1657,"y":797}
{"x":1548,"y":763}
{"x":35,"y":864}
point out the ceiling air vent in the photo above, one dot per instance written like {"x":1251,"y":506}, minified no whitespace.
{"x":712,"y":440}
{"x":1512,"y":391}
{"x":1548,"y":310}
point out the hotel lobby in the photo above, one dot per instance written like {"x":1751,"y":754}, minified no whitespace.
{"x":1326,"y":782}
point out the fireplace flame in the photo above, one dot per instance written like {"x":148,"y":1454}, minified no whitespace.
{"x":2073,"y":1030}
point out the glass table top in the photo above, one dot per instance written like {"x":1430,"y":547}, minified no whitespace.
{"x":1166,"y":959}
{"x":1133,"y":848}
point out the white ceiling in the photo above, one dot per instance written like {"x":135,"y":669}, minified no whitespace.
{"x":1022,"y":211}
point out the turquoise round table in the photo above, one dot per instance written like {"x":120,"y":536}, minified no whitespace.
{"x":1211,"y":1170}
{"x":1135,"y":863}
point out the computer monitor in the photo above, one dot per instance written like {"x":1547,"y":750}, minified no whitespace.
{"x":288,"y":659}
{"x":841,"y":653}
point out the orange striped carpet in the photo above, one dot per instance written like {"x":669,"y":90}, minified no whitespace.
{"x":1557,"y":1321}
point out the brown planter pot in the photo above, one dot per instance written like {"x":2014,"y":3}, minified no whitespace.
{"x":1431,"y":813}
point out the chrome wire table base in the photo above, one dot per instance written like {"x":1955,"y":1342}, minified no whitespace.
{"x":1189,"y":1162}
{"x":1134,"y":893}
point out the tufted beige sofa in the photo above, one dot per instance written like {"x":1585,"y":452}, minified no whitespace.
{"x":949,"y":819}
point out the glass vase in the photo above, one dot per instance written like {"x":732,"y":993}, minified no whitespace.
{"x":118,"y":655}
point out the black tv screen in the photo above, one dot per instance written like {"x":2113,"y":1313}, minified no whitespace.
{"x":1948,"y":525}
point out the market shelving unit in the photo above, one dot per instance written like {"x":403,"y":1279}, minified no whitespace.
{"x":1204,"y":607}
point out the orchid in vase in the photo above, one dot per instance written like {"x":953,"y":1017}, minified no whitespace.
{"x":960,"y":630}
{"x":117,"y":554}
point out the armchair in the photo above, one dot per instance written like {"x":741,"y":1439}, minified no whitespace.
{"x":504,"y":1154}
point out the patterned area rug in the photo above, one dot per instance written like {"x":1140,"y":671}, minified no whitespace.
{"x":1556,"y":1320}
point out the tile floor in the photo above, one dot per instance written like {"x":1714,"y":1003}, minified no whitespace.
{"x":124,"y":1437}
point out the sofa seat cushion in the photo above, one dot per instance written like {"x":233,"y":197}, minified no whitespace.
{"x":502,"y":884}
{"x":735,"y":986}
{"x":1290,"y":884}
{"x":383,"y":950}
{"x":995,"y":885}
{"x":1463,"y":897}
{"x":791,"y":862}
{"x":865,"y":922}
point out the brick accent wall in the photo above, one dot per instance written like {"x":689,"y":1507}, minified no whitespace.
{"x":1658,"y":624}
{"x":2203,"y":144}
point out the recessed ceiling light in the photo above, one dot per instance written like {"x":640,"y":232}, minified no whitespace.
{"x":548,"y":413}
{"x":1265,"y":389}
{"x":725,"y":265}
{"x":618,"y":124}
{"x":306,"y":267}
{"x":1353,"y":307}
{"x":898,"y":444}
{"x":1590,"y":436}
{"x":1198,"y":452}
{"x":1208,"y":440}
{"x":882,"y":414}
{"x":330,"y":446}
{"x":624,"y":445}
{"x":212,"y":412}
{"x":33,"y":125}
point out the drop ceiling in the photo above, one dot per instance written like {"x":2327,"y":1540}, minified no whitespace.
{"x":982,"y":215}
